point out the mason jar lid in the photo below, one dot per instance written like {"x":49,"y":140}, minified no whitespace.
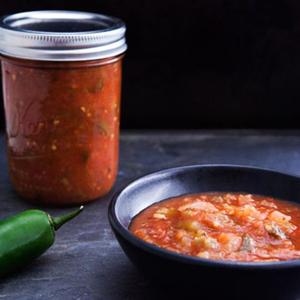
{"x":61,"y":36}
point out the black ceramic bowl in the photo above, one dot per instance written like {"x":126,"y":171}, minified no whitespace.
{"x":276,"y":279}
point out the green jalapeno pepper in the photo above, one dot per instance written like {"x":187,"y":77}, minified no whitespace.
{"x":26,"y":236}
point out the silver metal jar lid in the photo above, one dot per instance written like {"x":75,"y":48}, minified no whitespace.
{"x":61,"y":36}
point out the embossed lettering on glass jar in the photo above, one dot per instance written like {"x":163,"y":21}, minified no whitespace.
{"x":61,"y":81}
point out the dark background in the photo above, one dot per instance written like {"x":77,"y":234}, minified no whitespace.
{"x":205,"y":63}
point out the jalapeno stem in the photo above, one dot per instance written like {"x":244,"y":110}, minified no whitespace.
{"x":61,"y":220}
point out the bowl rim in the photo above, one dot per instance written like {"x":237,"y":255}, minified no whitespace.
{"x":182,"y":258}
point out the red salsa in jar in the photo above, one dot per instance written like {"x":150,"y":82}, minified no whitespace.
{"x":62,"y":105}
{"x":223,"y":226}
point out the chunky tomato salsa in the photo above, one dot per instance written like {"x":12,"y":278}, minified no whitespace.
{"x":62,"y":127}
{"x":223,"y":226}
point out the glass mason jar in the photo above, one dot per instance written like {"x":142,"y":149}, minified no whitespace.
{"x":61,"y":76}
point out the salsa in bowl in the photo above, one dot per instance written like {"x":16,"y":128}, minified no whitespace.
{"x":223,"y":226}
{"x":170,"y":265}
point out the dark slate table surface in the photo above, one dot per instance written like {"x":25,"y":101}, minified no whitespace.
{"x":86,"y":261}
